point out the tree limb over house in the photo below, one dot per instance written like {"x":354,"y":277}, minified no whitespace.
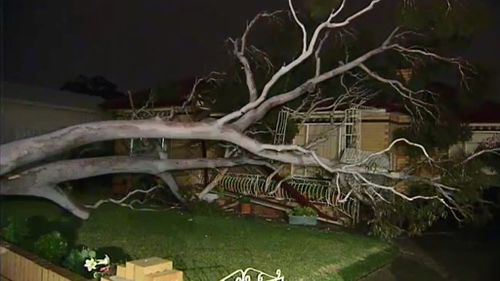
{"x":363,"y":181}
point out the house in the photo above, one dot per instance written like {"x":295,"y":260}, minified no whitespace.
{"x":29,"y":110}
{"x":484,"y":123}
{"x":350,"y":135}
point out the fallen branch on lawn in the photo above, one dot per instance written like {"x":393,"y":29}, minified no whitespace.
{"x":120,"y":202}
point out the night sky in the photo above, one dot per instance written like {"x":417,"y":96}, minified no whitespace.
{"x":140,"y":44}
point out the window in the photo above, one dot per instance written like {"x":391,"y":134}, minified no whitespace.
{"x":326,"y":139}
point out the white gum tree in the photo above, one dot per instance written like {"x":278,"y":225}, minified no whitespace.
{"x":21,"y":175}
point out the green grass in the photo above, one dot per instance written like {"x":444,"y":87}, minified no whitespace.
{"x":208,"y":247}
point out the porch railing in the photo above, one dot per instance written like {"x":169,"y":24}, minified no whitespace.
{"x":319,"y":192}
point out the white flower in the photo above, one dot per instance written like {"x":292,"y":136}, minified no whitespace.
{"x":104,"y":261}
{"x":90,"y":264}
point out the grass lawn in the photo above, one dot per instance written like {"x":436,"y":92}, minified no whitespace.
{"x":208,"y":247}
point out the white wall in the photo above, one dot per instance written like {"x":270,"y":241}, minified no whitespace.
{"x":471,"y":145}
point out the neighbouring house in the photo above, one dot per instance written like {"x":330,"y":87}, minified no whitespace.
{"x":30,"y":110}
{"x":484,"y":122}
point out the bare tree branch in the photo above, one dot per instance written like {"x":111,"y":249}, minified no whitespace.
{"x":22,"y":152}
{"x":121,"y":201}
{"x":306,"y":53}
{"x":239,"y":48}
{"x":405,"y":92}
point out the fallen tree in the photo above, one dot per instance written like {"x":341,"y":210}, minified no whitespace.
{"x":238,"y":128}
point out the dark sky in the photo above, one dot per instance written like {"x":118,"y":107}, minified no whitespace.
{"x":136,"y":44}
{"x":139,"y":44}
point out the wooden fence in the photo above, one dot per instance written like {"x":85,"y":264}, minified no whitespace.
{"x":19,"y":265}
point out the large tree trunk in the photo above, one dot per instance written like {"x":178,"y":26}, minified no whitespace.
{"x":42,"y":181}
{"x":19,"y":153}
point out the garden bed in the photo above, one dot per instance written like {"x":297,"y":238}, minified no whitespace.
{"x":210,"y":246}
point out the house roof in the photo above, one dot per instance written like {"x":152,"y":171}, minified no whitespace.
{"x":40,"y":95}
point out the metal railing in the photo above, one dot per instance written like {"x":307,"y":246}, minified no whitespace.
{"x":280,"y":130}
{"x":318,"y":192}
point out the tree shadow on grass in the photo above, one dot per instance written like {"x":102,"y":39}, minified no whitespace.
{"x":40,"y":225}
{"x":116,"y":254}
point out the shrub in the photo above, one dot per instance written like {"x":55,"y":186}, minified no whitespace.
{"x":304,"y":212}
{"x":245,"y":200}
{"x":84,"y":261}
{"x":75,"y":260}
{"x":15,"y":231}
{"x":51,"y":246}
{"x":221,"y":194}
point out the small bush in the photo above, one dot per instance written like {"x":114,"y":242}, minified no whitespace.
{"x":75,"y":261}
{"x":51,"y":246}
{"x":245,"y":200}
{"x":221,"y":194}
{"x":15,"y":231}
{"x":304,"y":211}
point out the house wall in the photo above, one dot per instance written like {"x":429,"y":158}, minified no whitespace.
{"x":374,"y":130}
{"x":399,"y":157}
{"x":374,"y":135}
